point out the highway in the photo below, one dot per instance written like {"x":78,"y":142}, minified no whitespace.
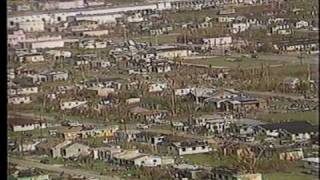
{"x":59,"y":169}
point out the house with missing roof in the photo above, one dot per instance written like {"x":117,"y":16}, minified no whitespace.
{"x":65,"y":149}
{"x":72,"y":104}
{"x":55,"y":151}
{"x":312,"y":165}
{"x":146,"y":114}
{"x":23,"y":124}
{"x":74,"y":150}
{"x":135,"y":158}
{"x":150,"y":138}
{"x":31,"y":174}
{"x":71,"y":133}
{"x":222,"y":173}
{"x":185,"y":171}
{"x":105,"y":153}
{"x":189,"y":147}
{"x":52,"y":147}
{"x":19,"y":99}
{"x":28,"y":146}
{"x":213,"y":123}
{"x":296,"y":131}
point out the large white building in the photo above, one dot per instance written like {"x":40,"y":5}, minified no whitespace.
{"x":69,"y":4}
{"x":52,"y":17}
{"x":107,"y":18}
{"x":47,"y":44}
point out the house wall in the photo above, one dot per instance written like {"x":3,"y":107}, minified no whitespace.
{"x":220,"y":41}
{"x":149,"y":161}
{"x":32,"y":26}
{"x":100,"y":18}
{"x":257,"y":176}
{"x":239,"y":27}
{"x":16,"y":37}
{"x":37,"y":177}
{"x":132,"y":100}
{"x":71,"y":104}
{"x":28,"y":147}
{"x":226,"y":19}
{"x":274,"y":133}
{"x":225,"y":176}
{"x":96,"y":33}
{"x":312,"y":167}
{"x":74,"y":150}
{"x":291,"y":155}
{"x":34,"y":58}
{"x":193,"y":150}
{"x":173,"y":54}
{"x":59,"y":77}
{"x":300,"y":136}
{"x":55,"y":153}
{"x":47,"y":44}
{"x":104,"y":92}
{"x":28,"y":90}
{"x":157,"y":87}
{"x":19,"y":100}
{"x":70,"y":135}
{"x":28,"y":127}
{"x":218,"y":127}
{"x":183,"y":92}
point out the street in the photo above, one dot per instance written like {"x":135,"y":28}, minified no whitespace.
{"x":53,"y":168}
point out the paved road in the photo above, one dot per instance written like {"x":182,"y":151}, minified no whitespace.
{"x":48,"y":118}
{"x":52,"y":120}
{"x":58,"y":169}
{"x":294,"y":97}
{"x":189,"y":135}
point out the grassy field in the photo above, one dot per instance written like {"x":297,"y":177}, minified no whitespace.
{"x":207,"y":160}
{"x":161,"y":39}
{"x":195,"y":16}
{"x":221,"y":61}
{"x":311,"y":116}
{"x":294,"y":174}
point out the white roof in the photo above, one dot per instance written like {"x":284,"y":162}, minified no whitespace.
{"x":312,"y":159}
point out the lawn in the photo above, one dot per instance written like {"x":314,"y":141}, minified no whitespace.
{"x":223,"y":62}
{"x":294,"y":175}
{"x":195,"y":16}
{"x":208,"y":159}
{"x":311,"y":116}
{"x":160,"y":39}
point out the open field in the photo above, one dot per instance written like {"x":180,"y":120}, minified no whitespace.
{"x":288,"y":176}
{"x":294,"y":173}
{"x":222,"y":62}
{"x":311,"y":116}
{"x":272,"y":60}
{"x":195,"y":16}
{"x":207,"y":159}
{"x":160,"y":39}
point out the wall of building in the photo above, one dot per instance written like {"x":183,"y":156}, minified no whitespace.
{"x":32,"y":26}
{"x":47,"y":44}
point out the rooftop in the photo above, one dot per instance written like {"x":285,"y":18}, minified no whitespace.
{"x":15,"y":121}
{"x":129,"y":155}
{"x":292,"y":127}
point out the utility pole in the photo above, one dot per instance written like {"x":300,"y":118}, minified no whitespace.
{"x":125,"y":33}
{"x":173,"y":99}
